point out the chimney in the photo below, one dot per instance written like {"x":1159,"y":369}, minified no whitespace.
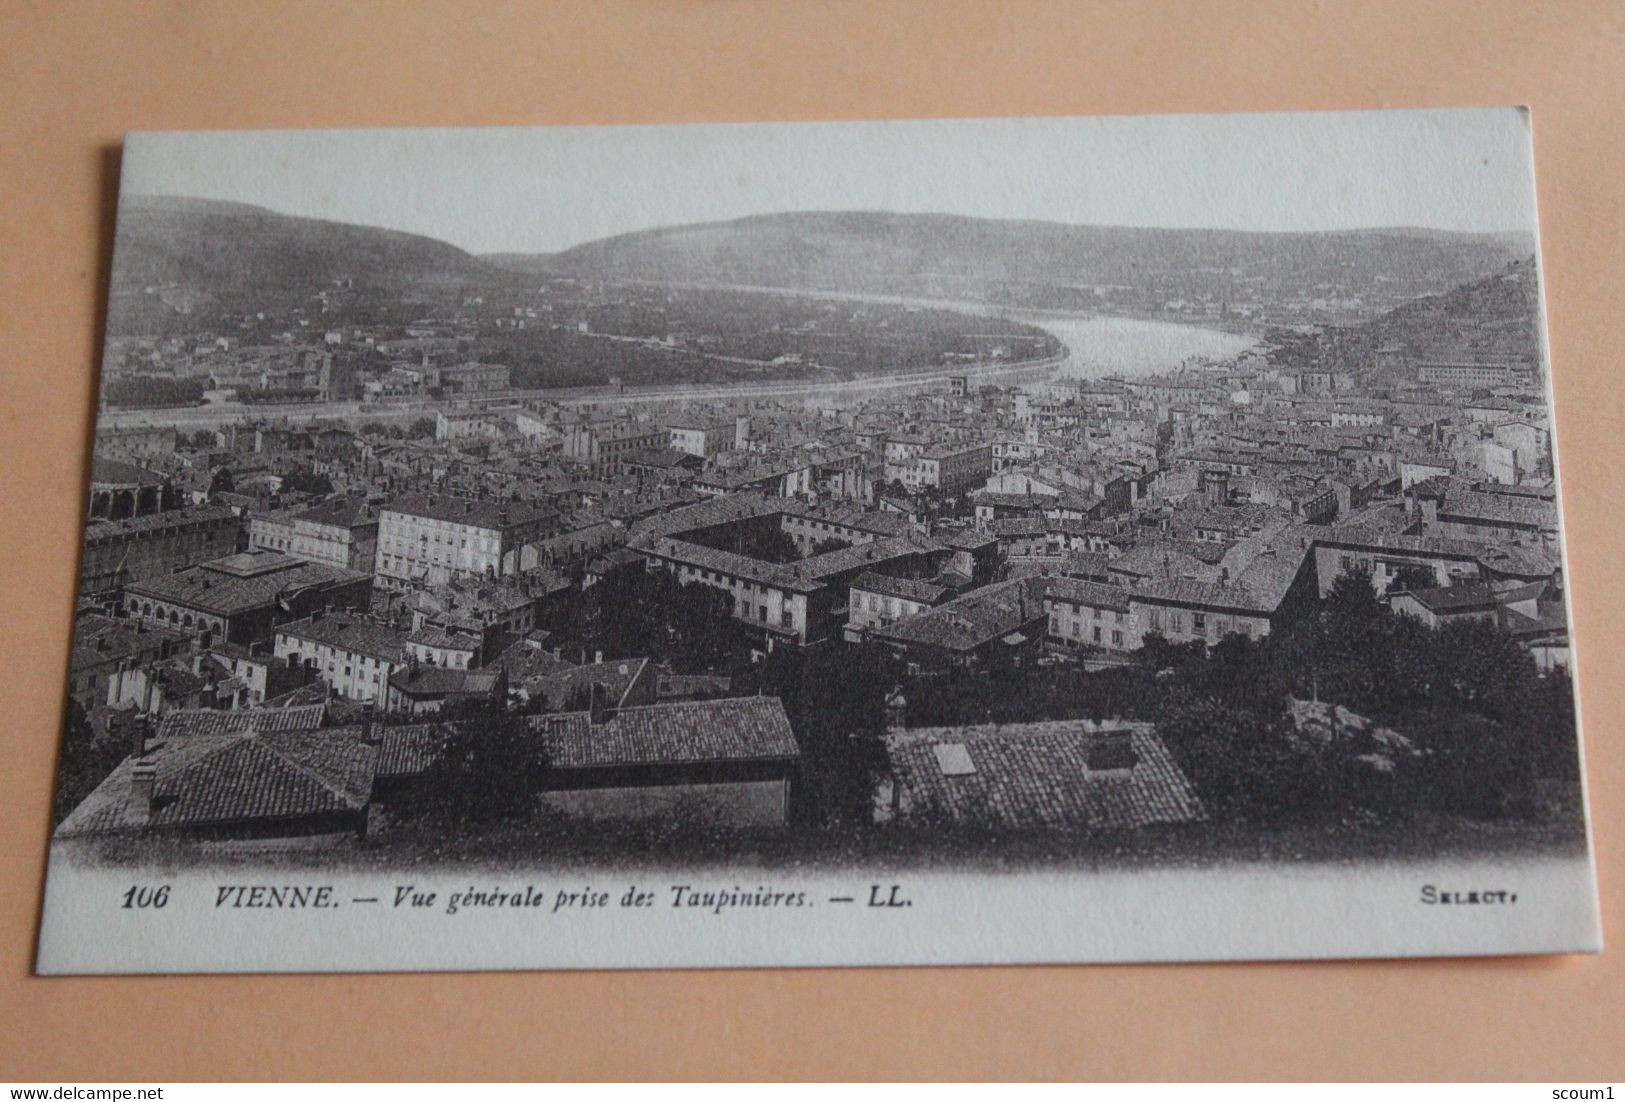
{"x":896,"y":710}
{"x":598,"y":708}
{"x":143,"y":790}
{"x":367,"y":710}
{"x":138,"y":735}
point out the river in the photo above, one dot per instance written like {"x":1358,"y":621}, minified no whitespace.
{"x":1101,"y":345}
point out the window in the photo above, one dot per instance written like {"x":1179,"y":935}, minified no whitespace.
{"x":1199,"y":622}
{"x":1117,"y":638}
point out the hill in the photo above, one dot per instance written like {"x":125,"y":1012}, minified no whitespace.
{"x":185,"y":257}
{"x":1033,"y":263}
{"x":1490,"y":320}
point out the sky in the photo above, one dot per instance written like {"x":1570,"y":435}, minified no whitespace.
{"x":544,"y":189}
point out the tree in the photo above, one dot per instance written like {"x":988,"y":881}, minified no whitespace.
{"x":1244,"y":765}
{"x":835,"y":700}
{"x":1553,"y":727}
{"x":485,"y":773}
{"x":305,"y":481}
{"x":1411,"y":576}
{"x":421,"y":428}
{"x":639,"y":613}
{"x":1475,"y":766}
{"x":1482,"y":669}
{"x":152,"y":391}
{"x":1353,"y":599}
{"x":85,"y":759}
{"x":222,"y":482}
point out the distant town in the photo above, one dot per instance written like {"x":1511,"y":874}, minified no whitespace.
{"x":557,"y":567}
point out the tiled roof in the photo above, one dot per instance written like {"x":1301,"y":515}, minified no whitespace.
{"x":948,"y":450}
{"x":1036,"y":776}
{"x":525,"y":659}
{"x":98,"y":639}
{"x":443,"y":680}
{"x":1552,"y":620}
{"x":480,"y":512}
{"x":663,"y":457}
{"x":965,"y":540}
{"x":116,"y":472}
{"x":409,"y":751}
{"x":803,"y":576}
{"x":213,"y":723}
{"x":344,"y":631}
{"x":704,"y":514}
{"x":617,"y":677}
{"x":1518,"y":562}
{"x":1037,"y":502}
{"x":153,"y":522}
{"x":227,"y":593}
{"x":340,"y":512}
{"x":1457,"y":598}
{"x":440,"y":639}
{"x":912,"y":589}
{"x":1018,"y":526}
{"x":1499,"y":509}
{"x":743,"y":506}
{"x":851,"y":516}
{"x":976,"y":618}
{"x":220,"y":780}
{"x":751,"y":728}
{"x":1090,"y":594}
{"x":1163,"y":559}
{"x":1371,"y":537}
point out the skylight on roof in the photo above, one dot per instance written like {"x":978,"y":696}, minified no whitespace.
{"x":953,"y":758}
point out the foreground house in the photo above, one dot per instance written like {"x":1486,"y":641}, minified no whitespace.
{"x":1050,"y":776}
{"x":725,"y":763}
{"x":307,"y":787}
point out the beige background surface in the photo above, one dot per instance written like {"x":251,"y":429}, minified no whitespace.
{"x":75,"y":76}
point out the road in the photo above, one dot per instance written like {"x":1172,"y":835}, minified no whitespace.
{"x":396,"y":411}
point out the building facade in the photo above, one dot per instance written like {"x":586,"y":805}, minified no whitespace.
{"x":435,"y":537}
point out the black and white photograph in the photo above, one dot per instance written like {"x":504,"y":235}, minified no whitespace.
{"x":1027,"y":540}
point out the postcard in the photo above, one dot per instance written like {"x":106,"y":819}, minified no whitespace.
{"x":854,"y":543}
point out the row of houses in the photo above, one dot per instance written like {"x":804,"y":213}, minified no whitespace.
{"x":288,"y":778}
